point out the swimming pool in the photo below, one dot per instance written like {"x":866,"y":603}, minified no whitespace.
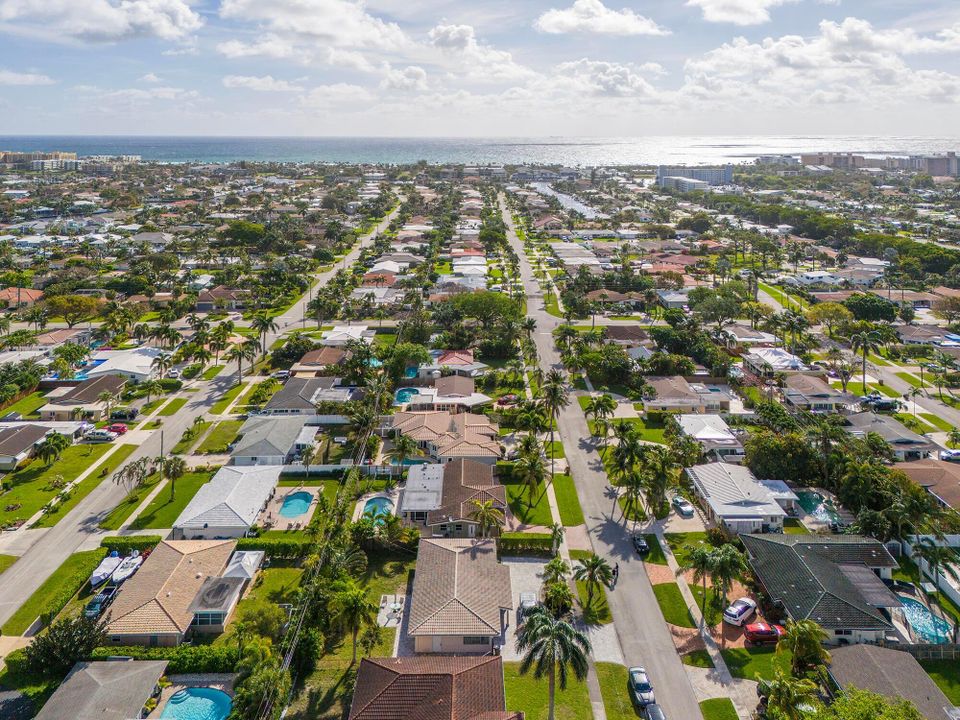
{"x":931,"y":628}
{"x":200,"y":703}
{"x":296,"y":504}
{"x":405,"y":395}
{"x":407,"y":462}
{"x":818,"y":506}
{"x":378,"y":506}
{"x":411,"y":372}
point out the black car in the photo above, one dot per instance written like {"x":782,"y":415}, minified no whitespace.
{"x":640,"y":545}
{"x":124,"y":414}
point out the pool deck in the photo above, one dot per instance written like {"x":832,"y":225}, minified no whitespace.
{"x":814,"y":524}
{"x":393,"y":495}
{"x":271,"y":519}
{"x":219,"y":681}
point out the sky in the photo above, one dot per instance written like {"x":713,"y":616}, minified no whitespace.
{"x":482,"y":68}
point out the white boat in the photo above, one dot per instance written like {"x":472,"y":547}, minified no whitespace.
{"x":105,"y":569}
{"x":127,"y":568}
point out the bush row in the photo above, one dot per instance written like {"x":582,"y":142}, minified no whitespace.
{"x":526,"y":544}
{"x":181,"y":660}
{"x":280,"y":547}
{"x":125,"y":543}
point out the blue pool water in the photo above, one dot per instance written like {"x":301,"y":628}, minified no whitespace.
{"x":198,"y":704}
{"x":404,"y":395}
{"x":378,"y":506}
{"x":296,"y":504}
{"x":407,"y":462}
{"x":931,"y":628}
{"x":411,"y":372}
{"x":818,"y":506}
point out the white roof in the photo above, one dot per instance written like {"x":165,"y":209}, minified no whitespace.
{"x":137,"y":362}
{"x":779,"y":489}
{"x":233,"y":498}
{"x":707,"y":428}
{"x":776,"y":358}
{"x":244,"y":563}
{"x":424,"y":488}
{"x":733,"y":492}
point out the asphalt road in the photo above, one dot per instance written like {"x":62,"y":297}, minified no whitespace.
{"x":644,"y":637}
{"x":63,"y":539}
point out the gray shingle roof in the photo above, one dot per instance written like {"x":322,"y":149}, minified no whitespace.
{"x":105,"y":690}
{"x":269,"y":435}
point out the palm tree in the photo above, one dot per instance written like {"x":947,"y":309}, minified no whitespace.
{"x":790,"y":696}
{"x":556,"y":537}
{"x":953,"y":437}
{"x":354,"y":611}
{"x":552,"y":648}
{"x":487,"y":515}
{"x":531,"y":471}
{"x":556,"y":571}
{"x":940,"y":559}
{"x":151,"y":388}
{"x":162,"y":363}
{"x":555,"y":397}
{"x":263,"y":324}
{"x":173,"y":467}
{"x":52,"y":447}
{"x":659,"y":473}
{"x":804,"y":640}
{"x":107,"y":398}
{"x":865,"y":343}
{"x":593,"y":571}
{"x":403,"y":448}
{"x":728,"y":566}
{"x":700,"y":561}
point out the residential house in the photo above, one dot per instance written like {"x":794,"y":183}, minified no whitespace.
{"x":917,"y":300}
{"x":676,"y":393}
{"x":811,"y":393}
{"x":136,"y":365}
{"x":18,"y":441}
{"x":430,"y":688}
{"x":461,"y":595}
{"x":924,"y":335}
{"x":228,"y":505}
{"x":315,"y":362}
{"x":905,"y":443}
{"x":456,"y":362}
{"x":447,"y":437}
{"x":735,"y":499}
{"x":266,"y":440}
{"x":222,"y":298}
{"x":13,"y":298}
{"x":834,"y":580}
{"x":157,"y":241}
{"x":83,"y":400}
{"x":301,"y":395}
{"x":454,"y":393}
{"x":940,"y":479}
{"x":340,"y":335}
{"x":154,"y":606}
{"x":744,"y":335}
{"x":714,"y":436}
{"x":105,"y":690}
{"x":893,"y":673}
{"x":766,"y":362}
{"x":378,"y":296}
{"x":441,"y":499}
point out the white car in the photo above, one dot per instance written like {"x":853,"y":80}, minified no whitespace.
{"x":173,"y":374}
{"x":739,"y":611}
{"x":640,"y":686}
{"x":950,"y":455}
{"x":100,"y":436}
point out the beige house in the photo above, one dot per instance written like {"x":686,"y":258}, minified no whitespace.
{"x":677,"y":394}
{"x":460,"y":596}
{"x":163,"y":601}
{"x":448,"y":437}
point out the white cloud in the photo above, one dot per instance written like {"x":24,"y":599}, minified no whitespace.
{"x":738,"y":12}
{"x":595,"y":17}
{"x":409,"y":78}
{"x":267,"y":83}
{"x":150,"y":78}
{"x":608,"y":79}
{"x":474,"y":59}
{"x":101,"y":20}
{"x":8,"y":77}
{"x":336,"y":94}
{"x":268,"y":46}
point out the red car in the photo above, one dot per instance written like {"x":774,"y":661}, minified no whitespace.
{"x":118,"y":428}
{"x":761,"y":633}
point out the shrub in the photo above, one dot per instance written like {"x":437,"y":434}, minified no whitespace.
{"x":526,"y":544}
{"x":280,"y":547}
{"x":191,"y":371}
{"x":170,"y":385}
{"x":184,"y":659}
{"x":126,"y":543}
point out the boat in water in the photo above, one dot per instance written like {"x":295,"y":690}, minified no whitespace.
{"x":127,"y":568}
{"x":105,"y":569}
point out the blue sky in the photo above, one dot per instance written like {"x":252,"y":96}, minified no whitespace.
{"x":479,"y":68}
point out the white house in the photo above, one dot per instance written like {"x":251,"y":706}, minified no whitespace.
{"x":735,"y":499}
{"x":340,"y":335}
{"x":766,"y":361}
{"x":713,"y":434}
{"x":228,"y":505}
{"x":136,"y":365}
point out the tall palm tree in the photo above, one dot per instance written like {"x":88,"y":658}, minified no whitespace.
{"x":593,"y":572}
{"x":940,"y":559}
{"x":52,"y":447}
{"x":552,"y":648}
{"x":162,"y":363}
{"x":728,"y":566}
{"x":107,"y":398}
{"x":173,"y":467}
{"x":804,"y":640}
{"x":403,"y":448}
{"x":555,"y":397}
{"x":790,"y":696}
{"x":263,"y":324}
{"x":865,"y":343}
{"x":659,"y":473}
{"x":487,"y":515}
{"x":354,"y":611}
{"x":700,"y":561}
{"x":531,"y":471}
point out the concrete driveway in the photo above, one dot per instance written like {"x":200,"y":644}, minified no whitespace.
{"x":526,"y":575}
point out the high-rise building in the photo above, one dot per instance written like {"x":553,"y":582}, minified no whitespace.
{"x":722,"y":175}
{"x":837,"y":161}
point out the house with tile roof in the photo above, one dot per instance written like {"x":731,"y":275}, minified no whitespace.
{"x":461,"y":594}
{"x":430,"y":688}
{"x":19,"y":297}
{"x":453,"y":392}
{"x":446,"y":436}
{"x":940,"y":479}
{"x":441,"y":499}
{"x":836,"y":580}
{"x":676,"y":393}
{"x":222,"y":297}
{"x":83,"y":400}
{"x":452,"y":362}
{"x":154,"y":606}
{"x":315,"y":362}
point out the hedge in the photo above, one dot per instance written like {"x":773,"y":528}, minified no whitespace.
{"x":275,"y":546}
{"x":526,"y":544}
{"x":125,"y":543}
{"x":182,"y":660}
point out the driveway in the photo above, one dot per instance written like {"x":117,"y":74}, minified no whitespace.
{"x":525,"y":576}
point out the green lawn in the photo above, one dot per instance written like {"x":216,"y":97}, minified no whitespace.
{"x":86,"y":486}
{"x":551,"y":304}
{"x":217,"y":441}
{"x":937,"y":422}
{"x":914,"y":423}
{"x":518,"y":498}
{"x":118,"y":516}
{"x":909,"y":378}
{"x":55,"y":591}
{"x":714,"y":611}
{"x":946,"y":674}
{"x":186,"y":442}
{"x":649,"y":431}
{"x":162,"y":511}
{"x":31,"y":486}
{"x":636,"y":513}
{"x":173,"y":407}
{"x":6,"y":561}
{"x":555,"y":450}
{"x":529,"y":696}
{"x":782,"y":297}
{"x":567,"y":502}
{"x":329,"y":486}
{"x":856,"y":387}
{"x":750,"y":663}
{"x":719,"y":709}
{"x":211,"y":372}
{"x":672,"y":605}
{"x":221,"y":405}
{"x":697,"y":658}
{"x":682,"y":544}
{"x":615,"y":691}
{"x":792,"y":526}
{"x":27,"y":405}
{"x":655,"y":556}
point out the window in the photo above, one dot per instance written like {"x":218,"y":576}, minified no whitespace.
{"x":475,"y":640}
{"x":843,"y":632}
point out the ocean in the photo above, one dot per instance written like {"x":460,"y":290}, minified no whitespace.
{"x":567,"y":151}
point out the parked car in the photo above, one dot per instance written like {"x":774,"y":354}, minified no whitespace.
{"x":118,"y":428}
{"x":173,"y":374}
{"x":507,"y":399}
{"x":761,"y":633}
{"x":640,"y":545}
{"x":950,"y":455}
{"x":739,"y":611}
{"x":528,"y":601}
{"x":281,"y":375}
{"x":124,"y":414}
{"x":683,"y":506}
{"x":640,"y":687}
{"x":654,"y":712}
{"x":100,"y":436}
{"x":99,"y":602}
